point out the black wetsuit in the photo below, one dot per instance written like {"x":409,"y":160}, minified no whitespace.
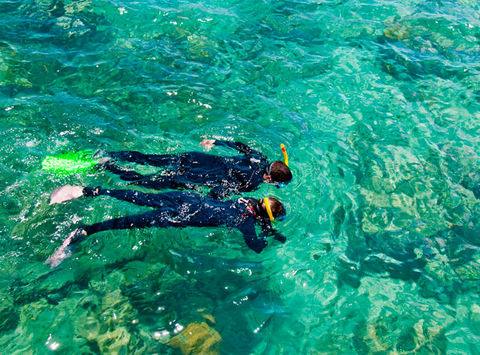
{"x":182,"y":209}
{"x":225,"y":175}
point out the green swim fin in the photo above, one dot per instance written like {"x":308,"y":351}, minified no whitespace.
{"x":71,"y":163}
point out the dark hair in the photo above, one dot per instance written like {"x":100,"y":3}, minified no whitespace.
{"x":277,"y":207}
{"x":280,"y":172}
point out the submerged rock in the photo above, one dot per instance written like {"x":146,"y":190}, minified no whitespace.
{"x":398,"y":31}
{"x":8,"y":316}
{"x":115,"y":341}
{"x":399,"y":323}
{"x":197,"y":338}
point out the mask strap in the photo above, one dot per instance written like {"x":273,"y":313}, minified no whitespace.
{"x":269,"y":210}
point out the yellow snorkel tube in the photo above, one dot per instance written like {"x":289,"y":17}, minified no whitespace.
{"x":269,"y":210}
{"x":285,"y":155}
{"x":285,"y":159}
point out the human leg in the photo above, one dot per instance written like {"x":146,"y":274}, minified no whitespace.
{"x":161,"y":182}
{"x":159,"y":200}
{"x":145,"y":159}
{"x":68,"y":192}
{"x":157,"y":218}
{"x":153,"y":181}
{"x":127,"y":175}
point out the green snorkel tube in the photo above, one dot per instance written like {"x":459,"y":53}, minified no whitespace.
{"x":71,"y":163}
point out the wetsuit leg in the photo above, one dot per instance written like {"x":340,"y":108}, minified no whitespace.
{"x":145,"y":159}
{"x":127,"y":175}
{"x":162,"y":182}
{"x":156,"y":218}
{"x":153,"y":181}
{"x":178,"y":161}
{"x":167,"y":200}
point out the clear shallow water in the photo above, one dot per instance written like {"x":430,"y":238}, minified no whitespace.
{"x":377,"y":103}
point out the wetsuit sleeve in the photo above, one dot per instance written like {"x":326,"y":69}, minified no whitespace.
{"x":279,"y":236}
{"x":268,"y":229}
{"x":255,"y":242}
{"x":240,"y":147}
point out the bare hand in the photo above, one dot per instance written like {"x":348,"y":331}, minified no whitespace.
{"x":208,"y":144}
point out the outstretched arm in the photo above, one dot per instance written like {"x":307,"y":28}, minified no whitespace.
{"x":278,"y":236}
{"x":240,"y":147}
{"x":255,"y":242}
{"x":268,"y":229}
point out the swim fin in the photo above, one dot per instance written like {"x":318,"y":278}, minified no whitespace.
{"x":71,"y":163}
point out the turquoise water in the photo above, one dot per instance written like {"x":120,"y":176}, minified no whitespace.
{"x":378,"y":105}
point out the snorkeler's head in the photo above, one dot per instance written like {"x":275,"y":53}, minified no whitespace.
{"x":272,"y":208}
{"x":278,"y":173}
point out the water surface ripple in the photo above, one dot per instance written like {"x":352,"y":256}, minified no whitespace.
{"x":378,"y":105}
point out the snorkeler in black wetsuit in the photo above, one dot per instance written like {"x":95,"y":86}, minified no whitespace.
{"x":177,"y":209}
{"x":225,"y":175}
